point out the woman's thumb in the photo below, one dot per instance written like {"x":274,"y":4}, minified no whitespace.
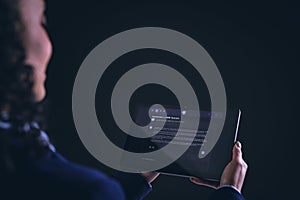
{"x":237,"y":151}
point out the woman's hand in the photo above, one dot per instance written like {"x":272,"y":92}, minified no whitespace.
{"x":212,"y":184}
{"x":233,"y":174}
{"x":150,"y":176}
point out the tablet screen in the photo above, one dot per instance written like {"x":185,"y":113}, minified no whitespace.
{"x":162,"y":124}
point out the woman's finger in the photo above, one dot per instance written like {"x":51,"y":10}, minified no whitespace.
{"x":207,"y":183}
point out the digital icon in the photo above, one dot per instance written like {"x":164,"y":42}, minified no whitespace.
{"x":100,"y":58}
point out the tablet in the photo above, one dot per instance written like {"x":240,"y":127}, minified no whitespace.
{"x":211,"y":164}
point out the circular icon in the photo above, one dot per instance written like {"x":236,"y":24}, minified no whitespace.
{"x":92,"y":69}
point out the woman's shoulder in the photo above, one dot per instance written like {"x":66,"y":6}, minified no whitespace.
{"x":73,"y":180}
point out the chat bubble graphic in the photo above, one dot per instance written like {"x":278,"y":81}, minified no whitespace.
{"x":100,"y":58}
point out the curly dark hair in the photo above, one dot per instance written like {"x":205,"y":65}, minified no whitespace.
{"x":16,"y":95}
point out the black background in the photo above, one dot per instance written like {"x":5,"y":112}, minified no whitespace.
{"x":256,"y":48}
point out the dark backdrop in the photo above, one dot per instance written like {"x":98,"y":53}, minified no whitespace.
{"x":256,"y":49}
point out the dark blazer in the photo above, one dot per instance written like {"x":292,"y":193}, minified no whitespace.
{"x":53,"y":177}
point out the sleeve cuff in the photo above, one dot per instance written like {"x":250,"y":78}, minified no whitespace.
{"x":227,"y":192}
{"x":134,"y":185}
{"x":230,"y":186}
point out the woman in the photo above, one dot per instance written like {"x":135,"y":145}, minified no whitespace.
{"x":30,"y":168}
